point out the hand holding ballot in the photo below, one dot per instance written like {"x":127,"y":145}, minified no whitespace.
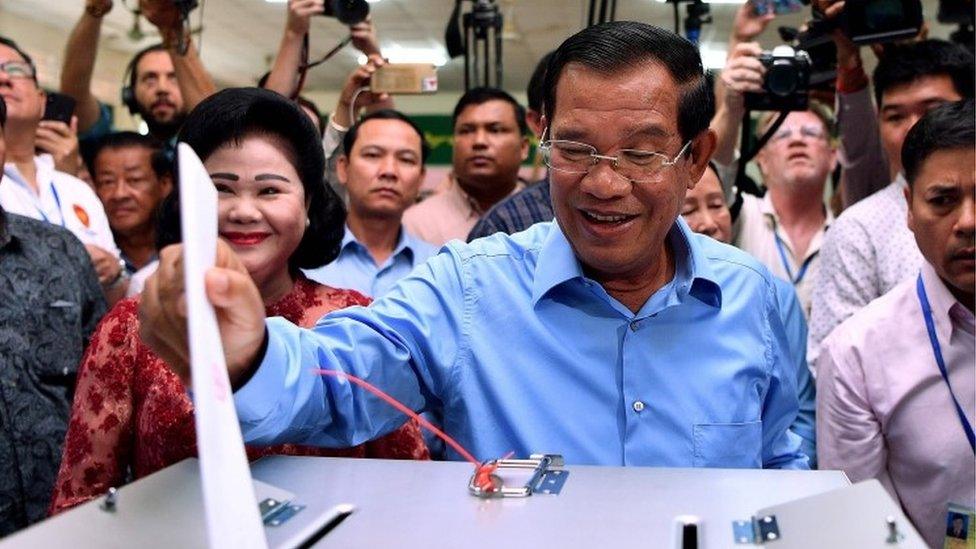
{"x":240,"y":312}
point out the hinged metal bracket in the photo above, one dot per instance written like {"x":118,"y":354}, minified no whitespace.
{"x":275,"y":512}
{"x":756,"y":531}
{"x":548,"y":477}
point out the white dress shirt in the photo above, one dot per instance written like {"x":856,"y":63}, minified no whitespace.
{"x":759,"y":230}
{"x":62,"y":199}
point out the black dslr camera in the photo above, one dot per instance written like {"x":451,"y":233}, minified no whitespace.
{"x":786,"y":84}
{"x":348,"y":12}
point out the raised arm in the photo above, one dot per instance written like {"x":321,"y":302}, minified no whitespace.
{"x":194,"y":80}
{"x":79,"y":62}
{"x":742,"y":73}
{"x":865,"y":168}
{"x":284,"y":74}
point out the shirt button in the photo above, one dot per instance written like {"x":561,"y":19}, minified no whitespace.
{"x":638,"y":406}
{"x":634,"y":325}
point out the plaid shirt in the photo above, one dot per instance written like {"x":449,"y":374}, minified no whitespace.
{"x":517,"y":212}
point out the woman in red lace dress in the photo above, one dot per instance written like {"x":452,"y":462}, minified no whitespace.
{"x":131,"y":414}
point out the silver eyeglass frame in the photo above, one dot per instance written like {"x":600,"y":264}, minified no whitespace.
{"x":545,"y":146}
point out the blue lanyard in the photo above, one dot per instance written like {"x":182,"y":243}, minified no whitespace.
{"x":786,"y":263}
{"x":57,"y":200}
{"x":937,"y":351}
{"x":54,"y":192}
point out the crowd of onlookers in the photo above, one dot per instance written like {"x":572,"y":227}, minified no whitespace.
{"x":855,"y":310}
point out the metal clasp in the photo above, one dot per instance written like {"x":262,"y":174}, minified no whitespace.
{"x":547,"y":477}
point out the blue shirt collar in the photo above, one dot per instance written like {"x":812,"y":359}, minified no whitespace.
{"x":405,"y":242}
{"x":694,"y":276}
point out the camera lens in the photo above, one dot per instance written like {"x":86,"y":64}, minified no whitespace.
{"x":782,"y":77}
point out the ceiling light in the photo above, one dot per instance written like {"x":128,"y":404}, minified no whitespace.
{"x":396,"y":53}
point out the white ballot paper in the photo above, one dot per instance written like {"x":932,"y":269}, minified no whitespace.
{"x":231,"y":511}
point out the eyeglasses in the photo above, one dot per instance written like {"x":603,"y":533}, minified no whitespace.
{"x":813,"y":132}
{"x":17,"y":69}
{"x":636,"y":165}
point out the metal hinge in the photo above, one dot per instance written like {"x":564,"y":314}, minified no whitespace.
{"x":756,"y":531}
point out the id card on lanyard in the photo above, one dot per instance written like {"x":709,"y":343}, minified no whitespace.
{"x":940,"y":361}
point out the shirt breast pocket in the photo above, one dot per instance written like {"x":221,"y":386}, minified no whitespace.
{"x":58,"y":341}
{"x":728,"y":445}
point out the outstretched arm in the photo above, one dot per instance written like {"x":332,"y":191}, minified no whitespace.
{"x":79,"y":62}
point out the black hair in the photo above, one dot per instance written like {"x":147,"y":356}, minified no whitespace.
{"x":303,"y":102}
{"x":161,"y":163}
{"x":231,"y":115}
{"x":386,"y":114}
{"x":482,"y":95}
{"x":27,"y":59}
{"x":133,"y":65}
{"x":3,"y":113}
{"x":907,"y":62}
{"x":948,"y":126}
{"x":536,"y":88}
{"x":614,"y":46}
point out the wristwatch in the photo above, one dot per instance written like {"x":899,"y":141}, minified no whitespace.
{"x":119,"y":278}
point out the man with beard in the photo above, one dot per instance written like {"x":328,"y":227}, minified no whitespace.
{"x":161,"y":84}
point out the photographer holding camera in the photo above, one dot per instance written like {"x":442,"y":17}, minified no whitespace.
{"x":162,"y":83}
{"x":285,"y":77}
{"x":784,"y":228}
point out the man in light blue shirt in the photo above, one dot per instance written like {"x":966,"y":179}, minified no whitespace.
{"x":381,"y":168}
{"x":614,"y":336}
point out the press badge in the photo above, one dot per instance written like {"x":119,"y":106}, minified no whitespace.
{"x":960,"y":530}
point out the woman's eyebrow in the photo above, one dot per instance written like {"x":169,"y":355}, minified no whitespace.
{"x":224,"y":175}
{"x":271,"y":176}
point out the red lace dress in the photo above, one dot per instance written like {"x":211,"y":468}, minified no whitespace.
{"x":132,"y":413}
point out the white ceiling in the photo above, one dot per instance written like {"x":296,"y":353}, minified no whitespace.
{"x":240,"y":37}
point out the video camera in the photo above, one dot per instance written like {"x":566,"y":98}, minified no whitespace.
{"x":872,"y":21}
{"x":348,"y":12}
{"x":787,"y":81}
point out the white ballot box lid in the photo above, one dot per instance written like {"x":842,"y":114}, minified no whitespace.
{"x":163,"y":510}
{"x":862,"y":516}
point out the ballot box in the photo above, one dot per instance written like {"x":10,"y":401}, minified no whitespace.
{"x":350,"y":503}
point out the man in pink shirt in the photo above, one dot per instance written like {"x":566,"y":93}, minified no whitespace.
{"x":490,"y":143}
{"x":897,"y":380}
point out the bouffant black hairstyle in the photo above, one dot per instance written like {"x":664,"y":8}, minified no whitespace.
{"x":231,"y":115}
